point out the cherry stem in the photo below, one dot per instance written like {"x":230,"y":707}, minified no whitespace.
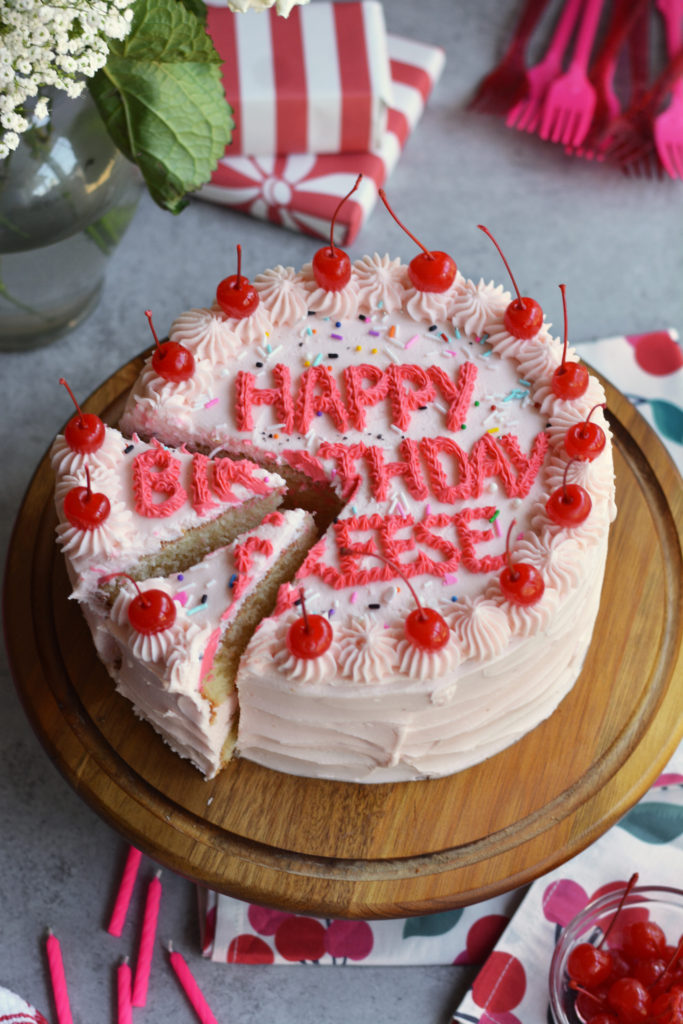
{"x":303,"y":609}
{"x":113,"y":575}
{"x":148,"y":314}
{"x":486,"y":231}
{"x":565,"y":497}
{"x":564,"y":307}
{"x":73,"y":399}
{"x":87,"y":483}
{"x":238,"y":282}
{"x":598,"y":405}
{"x":401,"y":225}
{"x":631,"y":882}
{"x":669,"y":967}
{"x":575,"y":987}
{"x":396,"y":567}
{"x":339,"y":206}
{"x":508,"y":558}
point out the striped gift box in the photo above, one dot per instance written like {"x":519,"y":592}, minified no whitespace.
{"x":302,"y":190}
{"x":316,"y":81}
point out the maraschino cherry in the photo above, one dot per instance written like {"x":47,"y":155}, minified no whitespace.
{"x":309,"y":636}
{"x":570,"y":504}
{"x":84,"y":433}
{"x":520,"y":582}
{"x":150,"y":611}
{"x":332,"y":266}
{"x":424,"y":627}
{"x":236,"y":295}
{"x":171,"y":360}
{"x":524,"y":317}
{"x":429,"y":271}
{"x":84,"y":508}
{"x":570,"y":380}
{"x":585,"y":440}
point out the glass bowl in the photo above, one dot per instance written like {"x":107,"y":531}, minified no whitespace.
{"x":654,"y":903}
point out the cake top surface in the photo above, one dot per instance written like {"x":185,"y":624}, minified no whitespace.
{"x":436,"y":428}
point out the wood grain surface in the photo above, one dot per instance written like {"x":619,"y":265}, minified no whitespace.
{"x":373,"y":851}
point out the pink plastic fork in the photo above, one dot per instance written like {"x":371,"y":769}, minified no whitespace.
{"x":526,"y":114}
{"x":625,"y":22}
{"x":570,"y":100}
{"x":499,"y":90}
{"x":668,"y":126}
{"x":630,"y":138}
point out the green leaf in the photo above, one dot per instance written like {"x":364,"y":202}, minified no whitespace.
{"x":433,"y":924}
{"x":656,"y":823}
{"x":161,"y":98}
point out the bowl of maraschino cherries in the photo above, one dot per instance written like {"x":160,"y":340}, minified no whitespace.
{"x":620,"y":961}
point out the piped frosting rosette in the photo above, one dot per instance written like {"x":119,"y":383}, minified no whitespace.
{"x":480,"y":627}
{"x":382,"y":283}
{"x":342,"y":303}
{"x":432,"y":307}
{"x":206,"y":333}
{"x":165,"y":646}
{"x":179,"y":398}
{"x":475,"y":306}
{"x":367,"y":652}
{"x":114,"y":536}
{"x":66,"y":462}
{"x":247,"y":329}
{"x":283,"y":294}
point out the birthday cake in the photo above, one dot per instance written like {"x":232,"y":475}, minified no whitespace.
{"x":458,"y":464}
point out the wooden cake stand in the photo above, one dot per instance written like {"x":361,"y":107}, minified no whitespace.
{"x":373,"y":851}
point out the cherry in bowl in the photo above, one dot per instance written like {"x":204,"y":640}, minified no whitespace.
{"x":627,"y":924}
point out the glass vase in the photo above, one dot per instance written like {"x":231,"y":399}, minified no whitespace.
{"x":67,"y":196}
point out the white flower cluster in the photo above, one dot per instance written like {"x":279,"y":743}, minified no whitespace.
{"x":282,"y":7}
{"x":51,"y":44}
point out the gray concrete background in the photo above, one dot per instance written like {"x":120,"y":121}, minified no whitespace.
{"x":615,"y":241}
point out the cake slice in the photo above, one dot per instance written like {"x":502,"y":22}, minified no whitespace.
{"x":147,"y":511}
{"x":181,"y":679}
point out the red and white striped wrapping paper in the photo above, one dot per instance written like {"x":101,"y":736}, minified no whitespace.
{"x":316,"y":81}
{"x":301,"y":191}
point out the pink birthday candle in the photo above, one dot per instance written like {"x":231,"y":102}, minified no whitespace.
{"x":147,"y":937}
{"x":123,"y":986}
{"x":191,"y":988}
{"x":130,"y":871}
{"x":58,"y":979}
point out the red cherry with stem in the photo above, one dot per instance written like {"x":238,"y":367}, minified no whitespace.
{"x":84,"y":433}
{"x":424,"y":627}
{"x":332,"y":267}
{"x":588,"y":965}
{"x":171,"y":360}
{"x":524,"y":317}
{"x":520,"y":582}
{"x":84,"y":508}
{"x":570,"y":380}
{"x":570,"y":504}
{"x":310,"y":636}
{"x":586,"y":440}
{"x":429,"y":271}
{"x":667,"y":976}
{"x":236,"y":295}
{"x":150,"y":611}
{"x":629,"y":998}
